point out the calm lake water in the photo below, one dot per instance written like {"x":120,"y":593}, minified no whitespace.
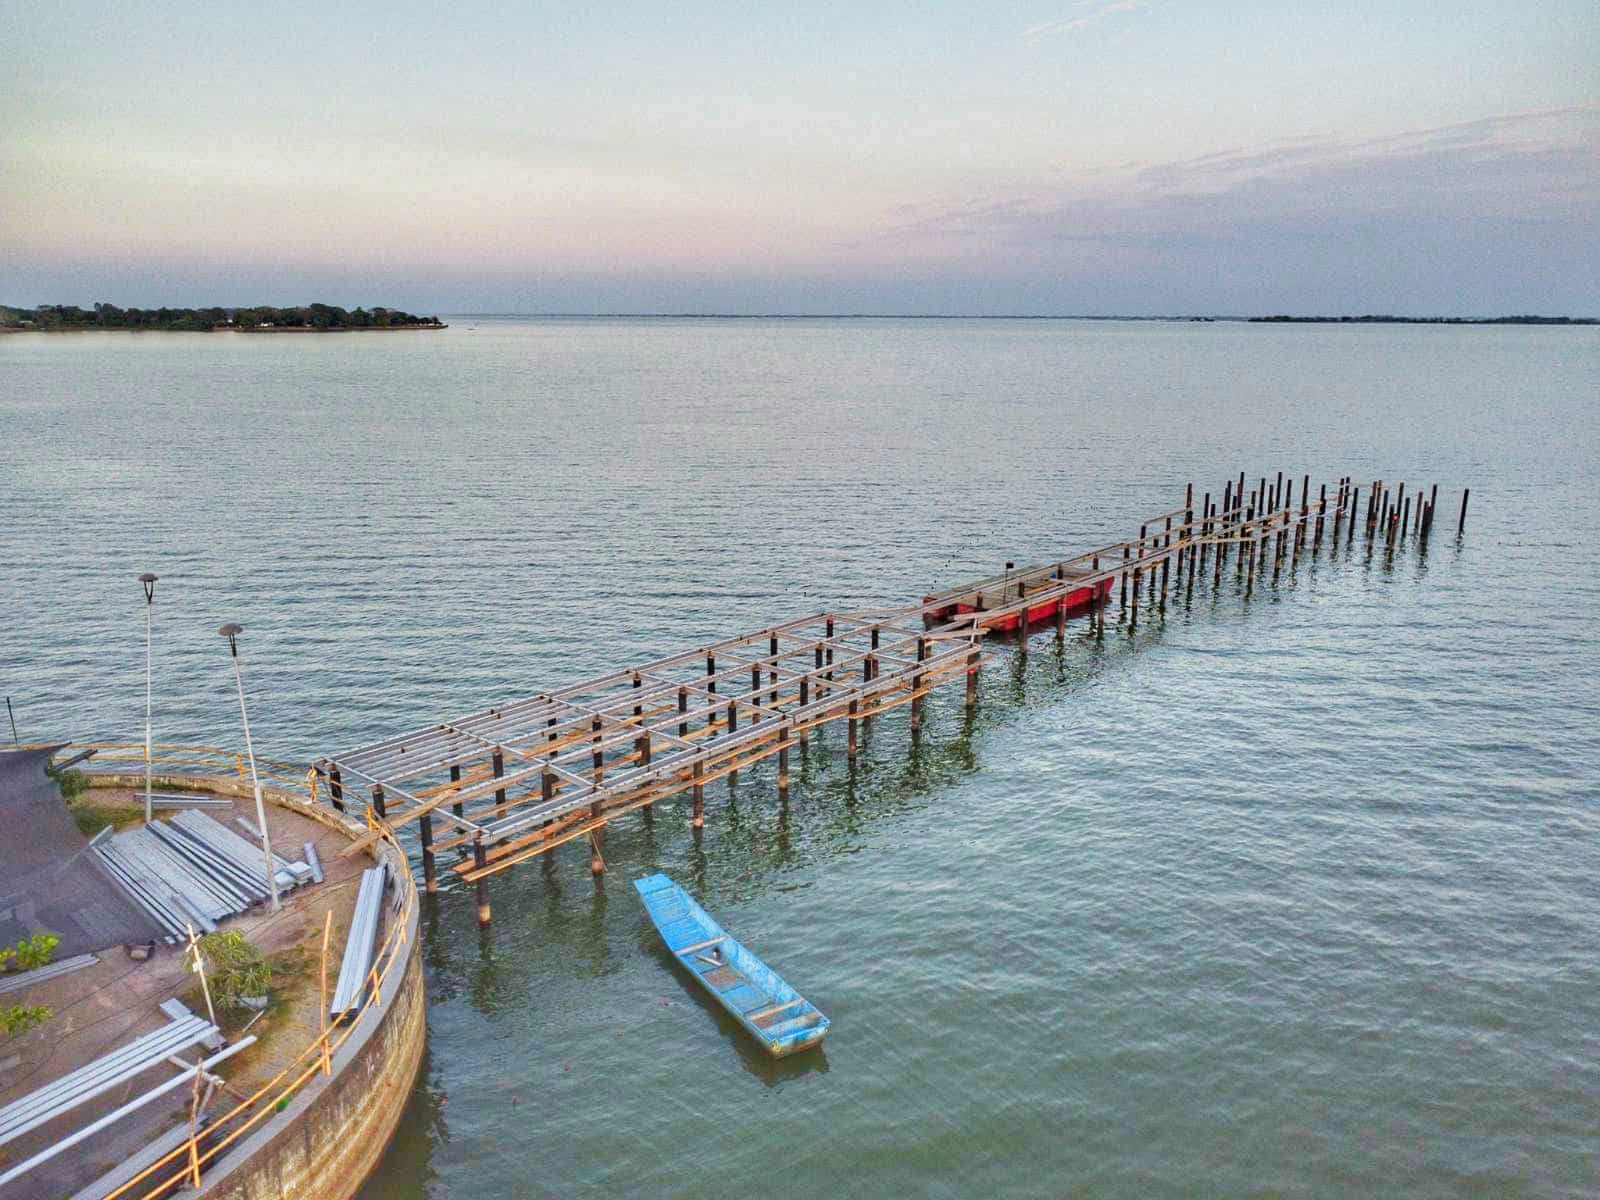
{"x":1293,"y":896}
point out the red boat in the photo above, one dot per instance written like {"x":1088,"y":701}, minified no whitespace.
{"x":1004,"y":590}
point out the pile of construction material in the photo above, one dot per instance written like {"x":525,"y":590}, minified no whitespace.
{"x":193,"y":871}
{"x":356,"y":967}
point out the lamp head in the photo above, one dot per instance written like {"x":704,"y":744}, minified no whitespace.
{"x":149,"y":582}
{"x":232,"y":632}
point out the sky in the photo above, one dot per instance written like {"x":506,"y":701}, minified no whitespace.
{"x":1139,"y":157}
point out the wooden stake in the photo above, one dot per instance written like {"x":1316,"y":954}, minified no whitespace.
{"x":783,"y":761}
{"x":1461,"y":525}
{"x":479,"y":861}
{"x":430,"y":871}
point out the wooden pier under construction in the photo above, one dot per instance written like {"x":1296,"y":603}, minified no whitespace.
{"x":513,"y":782}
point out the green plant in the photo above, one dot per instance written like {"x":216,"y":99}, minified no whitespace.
{"x":235,"y":968}
{"x":20,"y":1018}
{"x":72,"y":783}
{"x":31,"y":953}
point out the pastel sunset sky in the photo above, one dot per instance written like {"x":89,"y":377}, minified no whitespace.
{"x":1053,"y":156}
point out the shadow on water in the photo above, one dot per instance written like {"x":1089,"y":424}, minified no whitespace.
{"x":407,"y":1166}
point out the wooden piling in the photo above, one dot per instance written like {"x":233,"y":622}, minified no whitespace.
{"x":697,"y":772}
{"x":783,"y":761}
{"x":480,"y":860}
{"x":917,"y":681}
{"x":336,"y":788}
{"x":1461,"y":525}
{"x":974,"y":660}
{"x":855,"y":708}
{"x":378,"y":804}
{"x":455,"y":778}
{"x":430,"y":870}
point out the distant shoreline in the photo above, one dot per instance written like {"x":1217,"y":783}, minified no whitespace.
{"x":230,"y":329}
{"x":260,"y":318}
{"x":1199,"y":320}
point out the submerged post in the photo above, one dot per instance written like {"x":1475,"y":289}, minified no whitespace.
{"x":430,"y":872}
{"x":1462,"y":524}
{"x":480,"y":860}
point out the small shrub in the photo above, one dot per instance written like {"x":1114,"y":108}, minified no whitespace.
{"x":20,"y":1018}
{"x":72,"y":783}
{"x":30,"y":954}
{"x":235,"y":968}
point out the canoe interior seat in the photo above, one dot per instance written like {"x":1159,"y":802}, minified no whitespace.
{"x":772,"y":1013}
{"x":699,"y":946}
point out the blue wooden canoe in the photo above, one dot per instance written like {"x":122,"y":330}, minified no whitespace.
{"x":776,"y":1015}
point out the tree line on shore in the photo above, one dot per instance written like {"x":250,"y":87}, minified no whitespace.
{"x":310,"y":316}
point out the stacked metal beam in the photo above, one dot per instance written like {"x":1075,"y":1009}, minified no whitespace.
{"x":359,"y":946}
{"x":21,"y":979}
{"x":100,"y":1076}
{"x":191,"y":871}
{"x":224,"y":841}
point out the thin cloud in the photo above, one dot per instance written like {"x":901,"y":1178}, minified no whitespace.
{"x":1097,"y":11}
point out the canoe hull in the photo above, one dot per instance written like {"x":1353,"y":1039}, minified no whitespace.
{"x":782,"y":1021}
{"x":1077,"y":601}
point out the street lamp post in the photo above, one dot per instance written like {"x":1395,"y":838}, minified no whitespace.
{"x":232,"y":632}
{"x":149,"y":582}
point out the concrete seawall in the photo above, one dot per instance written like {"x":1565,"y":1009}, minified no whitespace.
{"x":331,"y":1134}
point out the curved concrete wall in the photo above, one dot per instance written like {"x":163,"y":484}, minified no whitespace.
{"x":329,"y":1138}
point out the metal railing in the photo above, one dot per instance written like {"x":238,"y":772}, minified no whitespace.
{"x":200,"y":762}
{"x":182,"y":1166}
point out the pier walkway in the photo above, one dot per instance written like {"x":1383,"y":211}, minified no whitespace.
{"x":513,"y":782}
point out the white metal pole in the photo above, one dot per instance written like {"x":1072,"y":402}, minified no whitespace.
{"x":261,"y":812}
{"x":149,"y":603}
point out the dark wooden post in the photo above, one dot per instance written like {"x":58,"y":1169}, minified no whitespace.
{"x":336,"y":788}
{"x":455,"y":777}
{"x":598,"y":757}
{"x":1166,"y":561}
{"x":918,"y":679}
{"x":699,"y":819}
{"x":430,"y":872}
{"x":973,"y":660}
{"x":499,"y":772}
{"x":1122,"y":605}
{"x":1461,"y":525}
{"x":1405,"y":519}
{"x":783,"y":761}
{"x":855,"y":707}
{"x":683,"y":707}
{"x":378,"y":805}
{"x":480,"y":860}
